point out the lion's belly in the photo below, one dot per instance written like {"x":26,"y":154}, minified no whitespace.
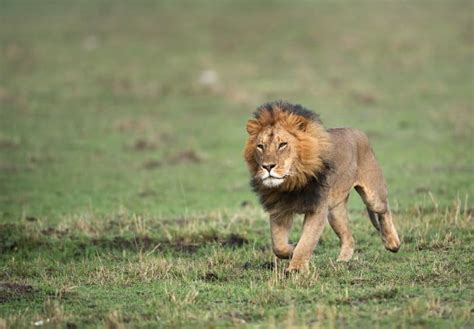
{"x":339,"y":195}
{"x":343,"y":183}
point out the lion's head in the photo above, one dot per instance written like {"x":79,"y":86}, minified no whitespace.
{"x":287,"y":146}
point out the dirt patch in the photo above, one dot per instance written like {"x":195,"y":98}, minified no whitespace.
{"x":180,"y":245}
{"x":151,"y":164}
{"x":379,"y":295}
{"x":262,"y":266}
{"x":51,"y":231}
{"x":364,"y":98}
{"x":236,"y":318}
{"x":147,"y":193}
{"x":10,"y":291}
{"x":142,"y":144}
{"x":8,"y":143}
{"x":8,"y":168}
{"x":210,"y":277}
{"x":235,"y":240}
{"x":13,"y":237}
{"x":145,"y":243}
{"x":10,"y":237}
{"x":188,"y":156}
{"x":434,"y":246}
{"x":404,"y":124}
{"x":131,"y":125}
{"x":336,"y":82}
{"x":71,"y":325}
{"x":39,"y":159}
{"x":183,"y":157}
{"x":267,"y":265}
{"x":422,"y":190}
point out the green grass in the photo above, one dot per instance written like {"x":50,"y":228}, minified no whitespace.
{"x":124,"y":197}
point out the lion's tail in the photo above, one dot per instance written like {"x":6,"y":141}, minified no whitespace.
{"x":374,"y":219}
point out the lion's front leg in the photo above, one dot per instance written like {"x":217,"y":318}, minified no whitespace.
{"x":312,"y":228}
{"x":280,"y":226}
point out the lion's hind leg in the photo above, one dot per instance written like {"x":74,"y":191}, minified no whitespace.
{"x":338,"y":219}
{"x":373,"y":191}
{"x":389,"y":233}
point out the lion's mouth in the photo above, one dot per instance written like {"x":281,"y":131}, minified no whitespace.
{"x":273,"y":181}
{"x":275,"y":177}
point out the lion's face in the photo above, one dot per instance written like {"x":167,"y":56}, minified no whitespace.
{"x":274,"y":152}
{"x":284,"y":149}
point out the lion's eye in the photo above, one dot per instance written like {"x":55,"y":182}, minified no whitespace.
{"x":282,"y":145}
{"x":260,"y":147}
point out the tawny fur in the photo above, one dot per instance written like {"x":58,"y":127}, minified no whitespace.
{"x":320,"y":167}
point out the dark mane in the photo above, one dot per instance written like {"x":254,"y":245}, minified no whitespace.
{"x":296,"y":109}
{"x":301,"y":200}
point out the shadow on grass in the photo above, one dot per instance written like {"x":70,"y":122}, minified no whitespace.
{"x":21,"y":238}
{"x":12,"y":291}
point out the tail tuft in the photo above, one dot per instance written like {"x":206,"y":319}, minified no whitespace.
{"x":374,"y":219}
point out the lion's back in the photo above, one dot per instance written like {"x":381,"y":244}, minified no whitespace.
{"x":350,"y":145}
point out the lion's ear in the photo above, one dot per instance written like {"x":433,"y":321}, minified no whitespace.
{"x":253,"y":127}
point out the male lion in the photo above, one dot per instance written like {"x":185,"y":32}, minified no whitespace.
{"x":298,"y":166}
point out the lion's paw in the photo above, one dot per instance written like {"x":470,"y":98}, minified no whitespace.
{"x":290,"y":272}
{"x":295,"y":268}
{"x":345,"y":255}
{"x":392,"y":243}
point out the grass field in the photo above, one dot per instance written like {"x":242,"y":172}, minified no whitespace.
{"x":124,"y":197}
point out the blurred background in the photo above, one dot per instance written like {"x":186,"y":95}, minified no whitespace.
{"x":142,"y":105}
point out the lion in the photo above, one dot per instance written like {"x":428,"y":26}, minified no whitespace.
{"x":299,"y":167}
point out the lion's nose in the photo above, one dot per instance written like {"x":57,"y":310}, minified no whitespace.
{"x":268,"y":166}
